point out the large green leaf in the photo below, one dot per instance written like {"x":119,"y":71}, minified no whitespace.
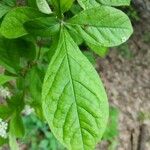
{"x":43,"y":6}
{"x":12,"y":25}
{"x":109,"y":27}
{"x":45,"y":26}
{"x":74,"y":100}
{"x":115,"y":2}
{"x":62,"y":5}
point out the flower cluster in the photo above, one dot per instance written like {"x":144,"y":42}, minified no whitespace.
{"x":28,"y":110}
{"x":3,"y":129}
{"x":4,"y":92}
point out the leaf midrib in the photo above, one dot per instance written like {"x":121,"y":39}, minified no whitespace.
{"x":73,"y":88}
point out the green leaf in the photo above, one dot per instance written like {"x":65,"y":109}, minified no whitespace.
{"x":99,"y":50}
{"x":5,"y":111}
{"x":75,"y":9}
{"x":3,"y":141}
{"x":112,"y":127}
{"x":91,"y":43}
{"x":53,"y":47}
{"x":3,"y":9}
{"x":16,"y":102}
{"x":109,"y":27}
{"x":12,"y":142}
{"x":11,"y":52}
{"x":16,"y":128}
{"x":87,"y":3}
{"x":75,"y":35}
{"x":90,"y":57}
{"x":62,"y":6}
{"x":115,"y":2}
{"x":32,"y":3}
{"x":4,"y":79}
{"x":12,"y":25}
{"x":10,"y":3}
{"x":43,"y":6}
{"x":16,"y":125}
{"x":36,"y":77}
{"x":8,"y":58}
{"x":90,"y":3}
{"x":74,"y":100}
{"x":44,"y":27}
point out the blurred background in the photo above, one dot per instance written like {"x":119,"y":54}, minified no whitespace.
{"x":125,"y":72}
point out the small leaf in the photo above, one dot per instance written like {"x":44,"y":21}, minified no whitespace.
{"x":90,"y":57}
{"x":5,"y":111}
{"x":53,"y":47}
{"x":44,"y":27}
{"x":4,"y":79}
{"x":99,"y":50}
{"x":91,"y":43}
{"x":16,"y":125}
{"x":13,"y":142}
{"x":115,"y":2}
{"x":11,"y":51}
{"x":62,"y":6}
{"x":3,"y":141}
{"x":112,"y":128}
{"x":16,"y":102}
{"x":3,"y":9}
{"x":74,"y":100}
{"x":10,"y":3}
{"x":32,"y":3}
{"x":87,"y":3}
{"x":12,"y":25}
{"x":75,"y":35}
{"x":43,"y":6}
{"x":75,"y":9}
{"x":36,"y":77}
{"x":109,"y":27}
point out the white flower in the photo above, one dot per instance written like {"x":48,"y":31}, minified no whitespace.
{"x":4,"y":92}
{"x":28,"y":110}
{"x":3,"y":128}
